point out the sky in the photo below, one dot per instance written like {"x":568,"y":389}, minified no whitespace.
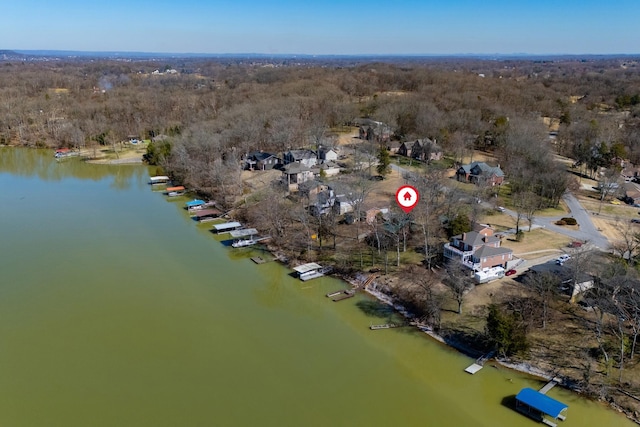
{"x":324,"y":27}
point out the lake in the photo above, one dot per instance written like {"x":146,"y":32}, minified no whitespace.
{"x":117,"y":309}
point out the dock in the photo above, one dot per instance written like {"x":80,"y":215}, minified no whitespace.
{"x":243,"y":232}
{"x":350,"y":293}
{"x":479,"y":363}
{"x":551,"y":384}
{"x":226,"y":227}
{"x":334,"y":293}
{"x":204,"y":215}
{"x":310,"y":271}
{"x":385,"y":326}
{"x":258,"y":260}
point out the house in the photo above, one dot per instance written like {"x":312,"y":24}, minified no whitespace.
{"x":631,"y":193}
{"x":393,"y":146}
{"x":572,"y":283}
{"x":295,"y":174}
{"x":321,"y":199}
{"x":629,"y":171}
{"x":404,"y":149}
{"x":478,"y":249}
{"x":343,"y":205}
{"x":306,"y":157}
{"x":372,"y":130}
{"x":329,"y":169}
{"x":328,"y":154}
{"x":480,"y":173}
{"x":370,"y":214}
{"x":426,"y":150}
{"x":259,"y":160}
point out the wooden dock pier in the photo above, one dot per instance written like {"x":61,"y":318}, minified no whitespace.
{"x":551,"y":384}
{"x":344,"y":295}
{"x":385,"y":326}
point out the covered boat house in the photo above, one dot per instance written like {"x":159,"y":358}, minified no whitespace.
{"x":537,"y":405}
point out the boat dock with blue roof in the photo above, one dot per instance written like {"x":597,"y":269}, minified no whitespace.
{"x":537,"y":405}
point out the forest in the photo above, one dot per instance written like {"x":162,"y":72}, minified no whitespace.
{"x":203,"y":116}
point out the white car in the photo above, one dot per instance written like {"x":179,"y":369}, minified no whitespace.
{"x":500,"y":209}
{"x":562,"y":259}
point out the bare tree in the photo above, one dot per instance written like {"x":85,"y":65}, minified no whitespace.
{"x":458,"y":281}
{"x":544,"y":287}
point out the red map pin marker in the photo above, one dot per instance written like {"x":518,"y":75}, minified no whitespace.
{"x":407,"y":198}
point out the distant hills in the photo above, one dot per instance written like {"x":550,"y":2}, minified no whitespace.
{"x":49,"y":55}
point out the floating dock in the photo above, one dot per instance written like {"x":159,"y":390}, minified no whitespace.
{"x":334,"y":293}
{"x":385,"y":326}
{"x":344,"y":295}
{"x":478,"y":364}
{"x":258,"y":260}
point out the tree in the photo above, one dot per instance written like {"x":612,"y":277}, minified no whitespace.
{"x":384,"y":161}
{"x":458,"y":281}
{"x":418,"y":291}
{"x":544,"y":287}
{"x":506,"y":332}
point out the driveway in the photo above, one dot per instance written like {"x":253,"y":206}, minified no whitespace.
{"x":587,"y":232}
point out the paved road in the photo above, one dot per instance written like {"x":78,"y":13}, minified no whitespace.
{"x":587,"y":231}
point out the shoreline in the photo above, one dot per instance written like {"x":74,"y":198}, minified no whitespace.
{"x":520,"y":367}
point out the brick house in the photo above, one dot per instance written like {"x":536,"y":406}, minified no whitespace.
{"x":478,"y":249}
{"x":480,"y":173}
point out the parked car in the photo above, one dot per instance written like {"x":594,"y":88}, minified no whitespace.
{"x":510,"y":272}
{"x":500,"y":209}
{"x":562,"y":259}
{"x":635,"y":221}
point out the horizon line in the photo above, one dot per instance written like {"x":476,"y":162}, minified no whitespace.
{"x":249,"y":54}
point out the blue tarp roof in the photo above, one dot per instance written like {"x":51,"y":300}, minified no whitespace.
{"x":195,"y":202}
{"x":541,"y":402}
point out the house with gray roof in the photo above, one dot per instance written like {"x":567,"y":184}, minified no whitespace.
{"x":478,"y":249}
{"x":306,"y":157}
{"x":259,"y":160}
{"x":480,"y":173}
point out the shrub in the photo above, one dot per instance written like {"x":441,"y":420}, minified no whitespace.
{"x":561,"y":222}
{"x":570,"y":221}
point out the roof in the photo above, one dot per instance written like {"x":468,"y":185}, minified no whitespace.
{"x":259,"y":156}
{"x":302,"y":154}
{"x":485,"y":169}
{"x":226,"y":226}
{"x":208,"y":212}
{"x":195,"y":202}
{"x":307,"y":267}
{"x":541,"y":402}
{"x":488,"y":251}
{"x":473,"y":238}
{"x":295,"y":168}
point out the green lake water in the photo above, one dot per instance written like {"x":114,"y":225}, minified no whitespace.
{"x":116,"y":309}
